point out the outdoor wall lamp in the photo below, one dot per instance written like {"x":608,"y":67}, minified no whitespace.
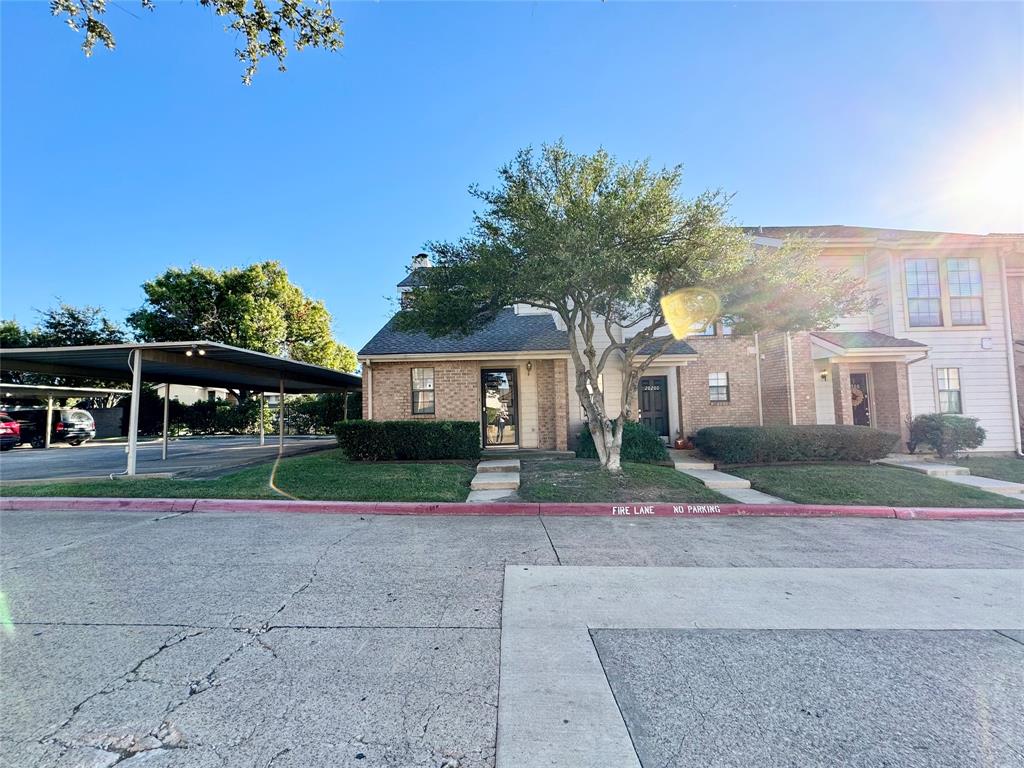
{"x":823,"y":375}
{"x":195,"y":350}
{"x":529,"y":367}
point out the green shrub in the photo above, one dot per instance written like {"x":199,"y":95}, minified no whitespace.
{"x":317,"y":414}
{"x":639,"y":444}
{"x":408,"y":440}
{"x":770,"y":445}
{"x":945,"y":433}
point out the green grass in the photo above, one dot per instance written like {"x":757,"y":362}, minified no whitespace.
{"x":323,"y":475}
{"x":866,"y":485}
{"x":1000,"y":467}
{"x":581,"y":480}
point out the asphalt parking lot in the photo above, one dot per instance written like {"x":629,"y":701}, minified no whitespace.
{"x":235,"y":639}
{"x":204,"y":457}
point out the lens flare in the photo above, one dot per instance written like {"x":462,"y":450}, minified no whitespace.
{"x":690,"y":310}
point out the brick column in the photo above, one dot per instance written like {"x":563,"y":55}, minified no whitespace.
{"x":841,"y":394}
{"x":561,"y":406}
{"x":892,"y":399}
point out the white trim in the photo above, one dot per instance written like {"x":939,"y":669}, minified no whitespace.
{"x":1011,"y":362}
{"x":442,"y":356}
{"x":792,"y":380}
{"x":757,"y":368}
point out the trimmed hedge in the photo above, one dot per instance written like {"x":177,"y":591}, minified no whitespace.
{"x":946,"y":433}
{"x":639,"y":444}
{"x":770,"y":445}
{"x":408,"y":440}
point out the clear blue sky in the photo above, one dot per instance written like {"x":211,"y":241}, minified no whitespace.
{"x":118,"y":166}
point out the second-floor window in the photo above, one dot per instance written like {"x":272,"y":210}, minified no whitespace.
{"x":924,"y":294}
{"x":944,"y":292}
{"x":964,"y":278}
{"x":422,"y":390}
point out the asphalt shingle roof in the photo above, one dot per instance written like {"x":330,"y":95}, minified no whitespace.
{"x":413,"y":279}
{"x":864,"y":339}
{"x":508,"y":332}
{"x":675,"y":348}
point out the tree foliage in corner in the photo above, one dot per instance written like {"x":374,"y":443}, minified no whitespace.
{"x":599,"y":243}
{"x":264,"y":25}
{"x":62,"y":326}
{"x":256,"y":307}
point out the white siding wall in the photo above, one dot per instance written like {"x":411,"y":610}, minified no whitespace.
{"x":823,"y":399}
{"x":878,"y":282}
{"x":528,"y":421}
{"x":854,"y":265}
{"x":984,"y":375}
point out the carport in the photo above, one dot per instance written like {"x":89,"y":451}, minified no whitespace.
{"x":196,"y":363}
{"x":48,"y":394}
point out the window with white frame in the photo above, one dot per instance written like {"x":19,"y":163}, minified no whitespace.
{"x":964,"y":279}
{"x":950,"y":398}
{"x":422,"y":391}
{"x":924,"y":292}
{"x":702,"y":329}
{"x":944,"y":292}
{"x":718,"y":387}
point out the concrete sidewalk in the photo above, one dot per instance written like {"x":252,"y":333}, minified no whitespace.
{"x":254,"y":638}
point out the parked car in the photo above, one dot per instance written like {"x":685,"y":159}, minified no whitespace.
{"x":10,"y":432}
{"x":70,"y":425}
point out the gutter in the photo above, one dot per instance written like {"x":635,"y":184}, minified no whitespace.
{"x":1011,"y":363}
{"x":792,"y":382}
{"x":368,"y":381}
{"x":757,"y":368}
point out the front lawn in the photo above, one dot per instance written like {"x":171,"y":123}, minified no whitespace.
{"x":868,"y":485}
{"x":1000,"y":467}
{"x":325,"y":475}
{"x":581,"y":480}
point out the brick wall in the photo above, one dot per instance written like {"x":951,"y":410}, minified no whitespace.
{"x":775,"y":379}
{"x":892,"y":399}
{"x":457,"y":395}
{"x":719,"y":354}
{"x":456,"y":390}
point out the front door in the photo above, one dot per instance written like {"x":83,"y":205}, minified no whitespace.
{"x":654,"y":403}
{"x":499,"y":414}
{"x":861,"y":401}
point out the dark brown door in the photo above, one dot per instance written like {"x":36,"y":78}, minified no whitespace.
{"x":861,"y":401}
{"x":499,"y":409}
{"x":654,"y":403}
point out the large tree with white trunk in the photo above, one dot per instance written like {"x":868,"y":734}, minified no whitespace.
{"x":601,"y":243}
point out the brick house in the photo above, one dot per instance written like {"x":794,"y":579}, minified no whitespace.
{"x":946,"y":334}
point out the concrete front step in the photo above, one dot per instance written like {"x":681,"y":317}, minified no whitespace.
{"x":479,"y":497}
{"x":925,"y":467}
{"x":682,"y":465}
{"x":495,"y":481}
{"x":716,"y":480}
{"x":498,"y":465}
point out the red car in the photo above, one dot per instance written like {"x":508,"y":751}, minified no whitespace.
{"x":10,"y":432}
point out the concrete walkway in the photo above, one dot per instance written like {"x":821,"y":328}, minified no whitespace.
{"x":495,"y":479}
{"x":954,"y":473}
{"x":736,"y":488}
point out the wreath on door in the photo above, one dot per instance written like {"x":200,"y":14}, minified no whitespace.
{"x":857,"y":396}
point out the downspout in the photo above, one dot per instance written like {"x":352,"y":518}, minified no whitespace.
{"x":1010,"y":362}
{"x":792,"y":380}
{"x":368,"y":380}
{"x":757,"y":368}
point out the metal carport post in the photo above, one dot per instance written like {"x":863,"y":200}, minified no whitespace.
{"x":280,"y":418}
{"x":133,"y":415}
{"x":167,"y":408}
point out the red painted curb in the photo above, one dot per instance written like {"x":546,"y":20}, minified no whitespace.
{"x":956,"y":513}
{"x":94,"y":504}
{"x":53,"y":504}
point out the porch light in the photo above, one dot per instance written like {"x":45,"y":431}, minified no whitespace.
{"x":529,"y":367}
{"x":823,"y":375}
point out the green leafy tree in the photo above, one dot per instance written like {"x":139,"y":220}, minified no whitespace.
{"x":63,"y":326}
{"x":600,"y":243}
{"x":256,"y":307}
{"x":264,"y":26}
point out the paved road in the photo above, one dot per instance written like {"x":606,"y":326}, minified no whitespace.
{"x":194,"y":457}
{"x":310,"y":640}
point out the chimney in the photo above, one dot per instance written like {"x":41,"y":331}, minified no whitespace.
{"x":421,"y":261}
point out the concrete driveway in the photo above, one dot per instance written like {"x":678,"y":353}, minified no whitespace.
{"x":192,"y":457}
{"x":235,"y":639}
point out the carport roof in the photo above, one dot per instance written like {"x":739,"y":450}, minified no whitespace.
{"x":219,"y":365}
{"x":42,"y":390}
